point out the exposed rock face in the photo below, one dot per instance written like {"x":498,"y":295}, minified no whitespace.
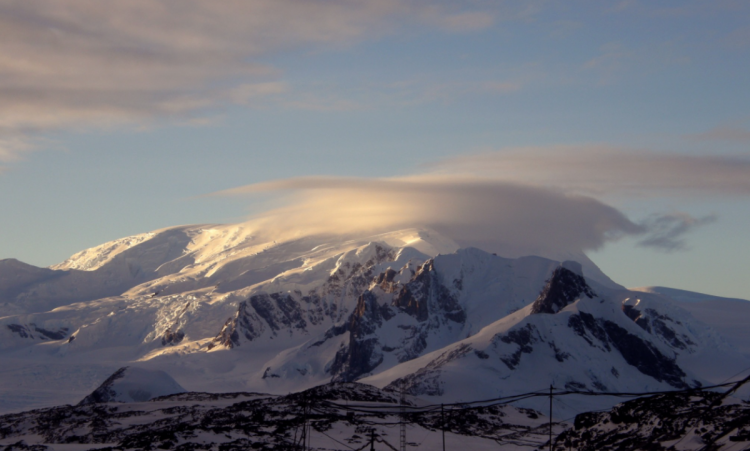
{"x":29,"y":330}
{"x":245,"y":322}
{"x":364,"y":352}
{"x":415,"y":297}
{"x":279,"y":311}
{"x":352,"y":277}
{"x":293,"y":312}
{"x":524,"y":338}
{"x":637,"y":352}
{"x":658,"y":324}
{"x":172,"y":337}
{"x":418,"y":306}
{"x":565,"y":286}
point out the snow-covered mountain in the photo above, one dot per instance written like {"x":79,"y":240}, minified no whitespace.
{"x":235,"y":308}
{"x":576,"y":335}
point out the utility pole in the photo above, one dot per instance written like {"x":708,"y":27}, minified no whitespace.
{"x":718,"y":402}
{"x":402,"y":435}
{"x":303,"y":438}
{"x":550,"y":417}
{"x":372,"y":439}
{"x":442,"y":422}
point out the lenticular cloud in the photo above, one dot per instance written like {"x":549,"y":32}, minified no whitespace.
{"x":493,"y":215}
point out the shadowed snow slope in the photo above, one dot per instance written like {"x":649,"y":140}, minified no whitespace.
{"x":130,"y":384}
{"x":728,"y":316}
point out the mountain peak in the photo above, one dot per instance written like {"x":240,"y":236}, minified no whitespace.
{"x":565,"y":286}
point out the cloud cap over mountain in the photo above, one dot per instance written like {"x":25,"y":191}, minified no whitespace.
{"x":500,"y":216}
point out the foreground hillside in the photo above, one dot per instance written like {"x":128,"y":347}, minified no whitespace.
{"x":331,"y":417}
{"x":345,"y":416}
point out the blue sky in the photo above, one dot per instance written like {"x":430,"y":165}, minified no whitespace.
{"x":123,"y":117}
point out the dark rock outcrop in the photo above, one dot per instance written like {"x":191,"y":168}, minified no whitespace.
{"x":637,"y":352}
{"x":523,"y":337}
{"x":172,"y":337}
{"x":657,"y":324}
{"x":423,"y":297}
{"x":362,"y":354}
{"x":291,"y":312}
{"x":564,"y":287}
{"x":245,"y":322}
{"x":414,"y":298}
{"x":41,"y":333}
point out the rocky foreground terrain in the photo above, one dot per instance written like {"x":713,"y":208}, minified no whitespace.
{"x":343,"y":416}
{"x":335,"y":416}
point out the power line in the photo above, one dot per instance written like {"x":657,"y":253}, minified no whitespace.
{"x":340,"y":443}
{"x":323,"y":407}
{"x":733,"y":376}
{"x":396,"y":410}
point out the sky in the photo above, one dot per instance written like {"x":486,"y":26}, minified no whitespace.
{"x":618,"y":128}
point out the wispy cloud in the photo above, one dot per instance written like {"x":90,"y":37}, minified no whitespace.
{"x":610,"y":61}
{"x":608,"y":170}
{"x":458,"y":21}
{"x":727,"y":133}
{"x":83,"y":63}
{"x":12,"y":145}
{"x":667,"y":232}
{"x":80,"y":62}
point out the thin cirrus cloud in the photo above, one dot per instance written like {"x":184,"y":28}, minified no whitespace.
{"x":10,"y":145}
{"x":612,"y":171}
{"x":83,"y":63}
{"x":730,"y":134}
{"x":501,"y":216}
